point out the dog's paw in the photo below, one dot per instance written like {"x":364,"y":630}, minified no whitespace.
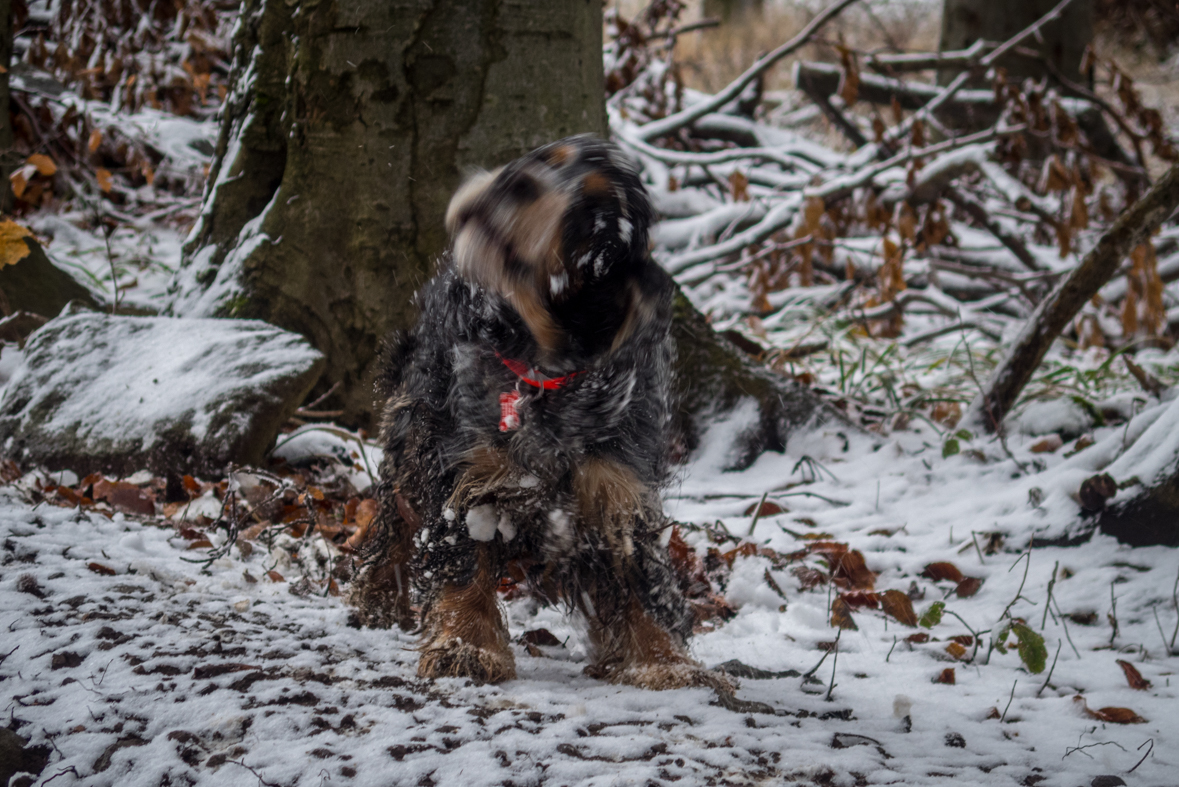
{"x":455,"y":658}
{"x":658,"y":676}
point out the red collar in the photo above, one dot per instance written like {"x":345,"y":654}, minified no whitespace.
{"x":522,"y":371}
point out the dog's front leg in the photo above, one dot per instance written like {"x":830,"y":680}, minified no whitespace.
{"x":464,"y":633}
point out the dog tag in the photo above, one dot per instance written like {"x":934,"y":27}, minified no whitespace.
{"x":509,"y":416}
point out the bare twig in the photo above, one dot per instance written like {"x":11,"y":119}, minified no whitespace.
{"x":1144,"y":756}
{"x":1113,"y":615}
{"x":834,"y":665}
{"x":757,"y":513}
{"x":1048,"y":601}
{"x":1043,"y":686}
{"x":1009,"y":699}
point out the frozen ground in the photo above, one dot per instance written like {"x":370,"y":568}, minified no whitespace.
{"x":138,"y":668}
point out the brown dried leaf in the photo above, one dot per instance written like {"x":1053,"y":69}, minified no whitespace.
{"x":841,"y":615}
{"x":1110,"y":715}
{"x":946,"y":676}
{"x":105,"y":181}
{"x":541,"y":637}
{"x":898,"y":605}
{"x":20,"y":181}
{"x":968,"y":587}
{"x":849,"y":90}
{"x":768,"y":508}
{"x":274,"y":576}
{"x":13,"y":247}
{"x":1047,"y":445}
{"x":1079,"y":218}
{"x":94,"y":141}
{"x":99,"y":568}
{"x":739,"y":185}
{"x":44,"y":164}
{"x":956,"y":651}
{"x":809,"y":578}
{"x":946,"y":413}
{"x":858,"y":599}
{"x":944,"y":570}
{"x":1133,"y":676}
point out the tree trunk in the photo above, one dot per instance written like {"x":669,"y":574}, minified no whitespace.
{"x":348,"y":129}
{"x":1063,"y":40}
{"x":6,"y":152}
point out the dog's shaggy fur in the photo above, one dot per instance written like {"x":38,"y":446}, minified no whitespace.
{"x":488,"y":469}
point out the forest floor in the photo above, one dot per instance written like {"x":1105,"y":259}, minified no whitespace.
{"x":139,"y":668}
{"x":129,"y":664}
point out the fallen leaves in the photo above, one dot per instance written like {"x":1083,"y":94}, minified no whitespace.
{"x":43,"y":164}
{"x":124,"y":497}
{"x":1110,"y":715}
{"x":1133,"y":676}
{"x":13,"y":247}
{"x":965,"y":586}
{"x":898,"y":605}
{"x":105,"y":180}
{"x":841,"y":615}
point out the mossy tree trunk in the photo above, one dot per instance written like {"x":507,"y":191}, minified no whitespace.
{"x":6,"y":138}
{"x":349,"y":126}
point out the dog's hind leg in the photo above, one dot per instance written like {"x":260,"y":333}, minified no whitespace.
{"x":465,"y":635}
{"x":382,"y":592}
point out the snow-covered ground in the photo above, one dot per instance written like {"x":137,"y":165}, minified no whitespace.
{"x":139,"y":668}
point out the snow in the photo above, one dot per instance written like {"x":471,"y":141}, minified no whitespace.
{"x":203,"y":669}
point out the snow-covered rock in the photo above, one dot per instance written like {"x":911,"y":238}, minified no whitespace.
{"x":114,"y":393}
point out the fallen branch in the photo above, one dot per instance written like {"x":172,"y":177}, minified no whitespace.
{"x":1057,"y":310}
{"x":927,"y":61}
{"x":975,"y":210}
{"x":672,"y":123}
{"x":777,"y":218}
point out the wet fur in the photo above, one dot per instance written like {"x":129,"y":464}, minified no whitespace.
{"x":549,"y":266}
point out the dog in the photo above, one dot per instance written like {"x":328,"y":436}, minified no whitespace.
{"x":526,"y":428}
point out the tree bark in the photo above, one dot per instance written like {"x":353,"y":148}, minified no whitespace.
{"x":348,"y":128}
{"x":1055,"y":312}
{"x":1062,"y":41}
{"x":6,"y":139}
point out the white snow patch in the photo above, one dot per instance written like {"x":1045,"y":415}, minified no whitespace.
{"x":482,"y":522}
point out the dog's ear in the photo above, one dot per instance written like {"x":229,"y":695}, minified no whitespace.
{"x":465,"y":198}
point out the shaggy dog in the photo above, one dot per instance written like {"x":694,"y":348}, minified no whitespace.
{"x":526,"y":428}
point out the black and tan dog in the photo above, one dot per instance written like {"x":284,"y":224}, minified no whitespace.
{"x":526,"y":428}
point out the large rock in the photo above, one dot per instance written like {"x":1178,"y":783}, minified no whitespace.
{"x":116,"y":394}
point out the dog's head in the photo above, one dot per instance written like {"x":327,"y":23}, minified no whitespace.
{"x":544,"y":229}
